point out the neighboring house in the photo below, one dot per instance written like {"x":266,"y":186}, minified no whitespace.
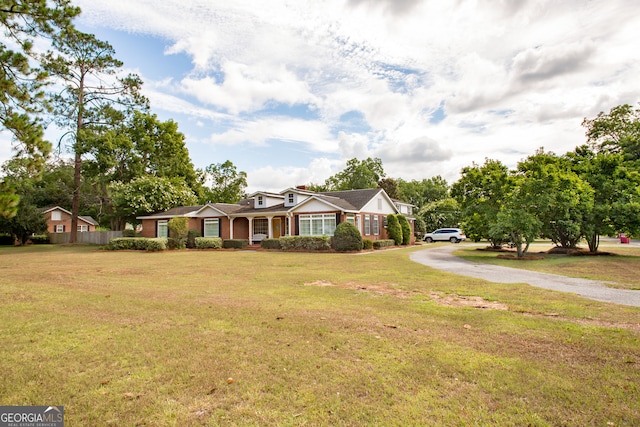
{"x":292,"y":212}
{"x":59,"y":221}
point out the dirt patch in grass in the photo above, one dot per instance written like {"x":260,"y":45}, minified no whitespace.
{"x":450,"y":300}
{"x":467,"y":301}
{"x":453,"y":300}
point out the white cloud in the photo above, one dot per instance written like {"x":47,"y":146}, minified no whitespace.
{"x":506,"y":77}
{"x":247,"y":89}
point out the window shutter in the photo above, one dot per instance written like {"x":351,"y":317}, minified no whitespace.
{"x":338,"y":218}
{"x":219,"y":227}
{"x":202,"y":227}
{"x":297,"y":225}
{"x":156,"y":231}
{"x":63,"y":228}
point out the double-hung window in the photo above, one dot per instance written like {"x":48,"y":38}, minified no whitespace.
{"x":163,"y":228}
{"x":59,"y":229}
{"x":56,"y":216}
{"x":317,"y":224}
{"x":211,"y":227}
{"x":367,"y":225}
{"x":83,"y":228}
{"x":376,"y":224}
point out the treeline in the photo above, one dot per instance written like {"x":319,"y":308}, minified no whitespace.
{"x":125,"y":162}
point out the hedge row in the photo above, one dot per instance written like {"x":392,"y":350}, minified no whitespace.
{"x":305,"y":243}
{"x":270,"y":244}
{"x":286,"y":243}
{"x":383,"y":244}
{"x":235,"y":243}
{"x":208,"y":242}
{"x":138,"y":244}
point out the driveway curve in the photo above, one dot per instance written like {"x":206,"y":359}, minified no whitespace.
{"x":441,"y":258}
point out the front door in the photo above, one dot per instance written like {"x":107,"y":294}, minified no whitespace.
{"x":276,"y":228}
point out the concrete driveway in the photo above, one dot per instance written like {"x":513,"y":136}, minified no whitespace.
{"x":441,"y":258}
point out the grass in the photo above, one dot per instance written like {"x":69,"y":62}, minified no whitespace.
{"x":620,"y":271}
{"x":151,"y":339}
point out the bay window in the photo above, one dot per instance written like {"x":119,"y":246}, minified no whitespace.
{"x":317,"y":224}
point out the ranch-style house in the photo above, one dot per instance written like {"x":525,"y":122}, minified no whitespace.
{"x":292,"y":212}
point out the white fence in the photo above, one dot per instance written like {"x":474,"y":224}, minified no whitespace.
{"x":90,"y":237}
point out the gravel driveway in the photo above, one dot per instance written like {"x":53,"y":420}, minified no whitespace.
{"x":441,"y":258}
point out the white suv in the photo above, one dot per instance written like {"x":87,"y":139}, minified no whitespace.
{"x":454,"y":235}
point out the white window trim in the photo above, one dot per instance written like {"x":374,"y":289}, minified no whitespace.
{"x":56,"y":216}
{"x":165,"y":224}
{"x":83,"y":228}
{"x":58,"y":228}
{"x":328,"y":224}
{"x":367,"y":225}
{"x":376,"y":224}
{"x":211,"y":221}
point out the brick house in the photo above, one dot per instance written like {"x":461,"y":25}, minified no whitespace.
{"x":59,"y":221}
{"x":292,"y":212}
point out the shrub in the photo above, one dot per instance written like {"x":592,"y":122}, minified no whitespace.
{"x":128,"y":233}
{"x":394,"y":230}
{"x":270,"y":244}
{"x":367,"y":244}
{"x":378,"y":244}
{"x":235,"y":243}
{"x":191,"y":238}
{"x":305,"y":243}
{"x":208,"y":242}
{"x":39,"y":239}
{"x":347,"y":238}
{"x":138,"y":244}
{"x":406,"y":229}
{"x":174,"y":243}
{"x":7,"y":239}
{"x":179,"y":227}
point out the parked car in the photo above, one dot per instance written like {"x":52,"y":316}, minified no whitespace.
{"x":453,"y":235}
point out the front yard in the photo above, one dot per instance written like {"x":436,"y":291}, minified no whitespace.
{"x":190,"y":338}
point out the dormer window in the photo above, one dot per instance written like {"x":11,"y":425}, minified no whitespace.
{"x":260,"y":201}
{"x":290,"y":198}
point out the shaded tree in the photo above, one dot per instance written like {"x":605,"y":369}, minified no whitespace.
{"x":149,"y":194}
{"x":419,"y":193}
{"x":357,"y":175}
{"x":563,"y":199}
{"x":616,"y":132}
{"x":480,"y":193}
{"x":227,"y":185}
{"x":139,"y":146}
{"x":390,"y":186}
{"x":440,"y":213}
{"x":87,"y":68}
{"x":22,"y":83}
{"x":616,"y":193}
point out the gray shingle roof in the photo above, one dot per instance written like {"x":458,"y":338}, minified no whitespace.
{"x":356,"y":198}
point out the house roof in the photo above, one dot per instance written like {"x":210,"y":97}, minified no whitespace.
{"x":350,"y":200}
{"x":356,"y":198}
{"x":85,"y":218}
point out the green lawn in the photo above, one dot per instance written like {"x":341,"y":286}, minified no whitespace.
{"x":152,"y":339}
{"x":621,"y":269}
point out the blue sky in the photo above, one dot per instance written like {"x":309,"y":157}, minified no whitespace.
{"x":289,"y":91}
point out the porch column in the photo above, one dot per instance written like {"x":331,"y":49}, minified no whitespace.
{"x":270,"y":227}
{"x":250,"y":230}
{"x":231,"y":228}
